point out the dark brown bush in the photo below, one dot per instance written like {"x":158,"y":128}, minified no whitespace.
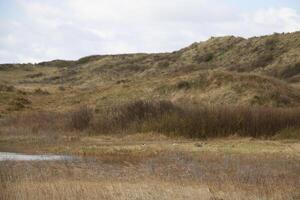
{"x":290,"y":71}
{"x":183,"y":85}
{"x":219,"y":121}
{"x":202,"y":121}
{"x":81,"y":118}
{"x":123,"y":117}
{"x":197,"y":121}
{"x":40,"y":91}
{"x":204,"y":57}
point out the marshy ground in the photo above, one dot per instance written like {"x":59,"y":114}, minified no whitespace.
{"x":152,"y":166}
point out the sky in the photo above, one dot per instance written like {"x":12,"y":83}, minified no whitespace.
{"x":41,"y":30}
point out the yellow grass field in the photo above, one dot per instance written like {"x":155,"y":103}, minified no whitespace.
{"x":152,"y":166}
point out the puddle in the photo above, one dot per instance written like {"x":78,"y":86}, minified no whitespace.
{"x":4,"y":156}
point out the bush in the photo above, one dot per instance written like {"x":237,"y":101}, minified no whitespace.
{"x":193,"y":121}
{"x":81,"y":118}
{"x":290,"y":71}
{"x":7,"y":88}
{"x":183,"y":85}
{"x":163,"y":64}
{"x":205,"y":57}
{"x":124,"y":117}
{"x":270,"y":43}
{"x":39,"y":91}
{"x":219,"y":121}
{"x":197,"y":121}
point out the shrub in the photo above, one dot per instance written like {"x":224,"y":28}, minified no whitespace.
{"x":81,"y":118}
{"x":7,"y":88}
{"x":163,"y":64}
{"x":183,"y":85}
{"x":219,"y":121}
{"x":36,"y":75}
{"x":205,"y":57}
{"x":197,"y":121}
{"x":19,"y":103}
{"x":61,"y":88}
{"x":124,"y":117}
{"x":263,"y":59}
{"x":270,"y":43}
{"x":39,"y":91}
{"x":193,"y":121}
{"x":290,"y":70}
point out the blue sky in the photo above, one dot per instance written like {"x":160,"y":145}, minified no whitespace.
{"x":39,"y":30}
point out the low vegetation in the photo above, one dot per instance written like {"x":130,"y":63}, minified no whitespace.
{"x":204,"y":121}
{"x":218,"y":120}
{"x":114,"y":162}
{"x":222,"y":70}
{"x":81,"y":118}
{"x":191,"y":121}
{"x":168,"y":174}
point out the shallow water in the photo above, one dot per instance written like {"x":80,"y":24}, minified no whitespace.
{"x":26,"y":157}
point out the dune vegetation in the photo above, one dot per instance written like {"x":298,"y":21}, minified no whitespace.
{"x":219,"y":119}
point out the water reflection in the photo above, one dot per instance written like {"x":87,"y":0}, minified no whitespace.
{"x":25,"y":157}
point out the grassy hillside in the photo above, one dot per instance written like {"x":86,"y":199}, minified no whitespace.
{"x":223,"y":70}
{"x":218,"y":120}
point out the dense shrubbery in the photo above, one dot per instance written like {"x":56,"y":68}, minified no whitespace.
{"x":81,"y":118}
{"x":290,"y":71}
{"x":165,"y":117}
{"x":131,"y":116}
{"x":197,"y":121}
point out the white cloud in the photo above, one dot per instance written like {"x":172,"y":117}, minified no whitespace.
{"x":71,"y":29}
{"x":285,"y":18}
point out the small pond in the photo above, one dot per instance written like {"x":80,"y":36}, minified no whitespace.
{"x":4,"y":156}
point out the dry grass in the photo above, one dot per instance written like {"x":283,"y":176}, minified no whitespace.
{"x":105,"y":190}
{"x":150,"y":166}
{"x":204,"y":72}
{"x":121,"y":160}
{"x":168,"y":175}
{"x":35,"y":123}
